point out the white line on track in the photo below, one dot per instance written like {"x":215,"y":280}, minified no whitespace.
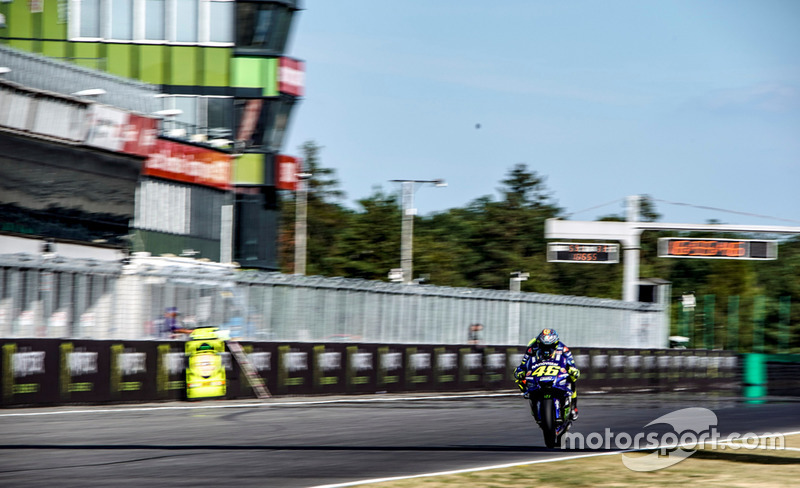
{"x":469,"y":470}
{"x":526,"y":463}
{"x":256,"y":405}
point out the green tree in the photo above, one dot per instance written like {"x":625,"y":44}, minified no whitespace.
{"x":779,"y":279}
{"x":494,"y":238}
{"x":370,"y":244}
{"x":443,"y":251}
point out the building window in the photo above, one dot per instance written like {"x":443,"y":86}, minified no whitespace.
{"x":262,"y":27}
{"x":187,"y":21}
{"x":188,"y":105}
{"x":282,"y":111}
{"x":121,"y":20}
{"x":90,"y":18}
{"x":202,"y":119}
{"x":183,"y":21}
{"x":221,"y":25}
{"x":268,"y":129}
{"x":218,"y":118}
{"x":154,"y":18}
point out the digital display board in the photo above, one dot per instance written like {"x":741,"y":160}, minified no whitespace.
{"x":582,"y":252}
{"x":677,"y":247}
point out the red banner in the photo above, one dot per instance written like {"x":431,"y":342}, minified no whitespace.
{"x":286,"y":169}
{"x":190,"y":164}
{"x":118,"y":130}
{"x":291,"y":76}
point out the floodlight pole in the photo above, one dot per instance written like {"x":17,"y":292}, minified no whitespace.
{"x":300,"y":223}
{"x":514,"y":286}
{"x":407,"y":230}
{"x":631,"y":254}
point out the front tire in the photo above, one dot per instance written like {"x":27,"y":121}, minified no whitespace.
{"x":548,"y":415}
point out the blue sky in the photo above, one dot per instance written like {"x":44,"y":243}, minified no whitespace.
{"x":694,"y":101}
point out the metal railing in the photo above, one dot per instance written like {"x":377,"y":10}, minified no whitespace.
{"x":46,"y":296}
{"x":57,"y":76}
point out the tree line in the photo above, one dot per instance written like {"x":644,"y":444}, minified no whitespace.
{"x":481,"y":244}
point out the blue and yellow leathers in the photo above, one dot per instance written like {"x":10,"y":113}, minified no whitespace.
{"x":561,"y":351}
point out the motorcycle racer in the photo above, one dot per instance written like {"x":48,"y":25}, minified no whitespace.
{"x":547,"y":346}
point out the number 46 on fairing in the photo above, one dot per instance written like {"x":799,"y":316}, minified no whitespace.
{"x":546,"y":370}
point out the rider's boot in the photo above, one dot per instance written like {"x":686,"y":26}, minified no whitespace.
{"x":575,"y":408}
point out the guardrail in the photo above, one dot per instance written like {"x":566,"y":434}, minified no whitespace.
{"x":60,"y":371}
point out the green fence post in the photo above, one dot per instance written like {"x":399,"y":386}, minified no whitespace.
{"x":784,"y":333}
{"x":755,"y":377}
{"x":733,"y":323}
{"x":708,"y":321}
{"x":758,"y":324}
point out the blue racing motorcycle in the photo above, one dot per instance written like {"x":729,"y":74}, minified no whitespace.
{"x":549,"y":390}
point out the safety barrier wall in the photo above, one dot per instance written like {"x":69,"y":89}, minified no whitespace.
{"x":58,"y":371}
{"x":783,"y":371}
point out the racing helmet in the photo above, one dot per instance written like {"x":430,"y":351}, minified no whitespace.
{"x":547,"y":342}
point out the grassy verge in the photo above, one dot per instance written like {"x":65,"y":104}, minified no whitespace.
{"x":740,"y":468}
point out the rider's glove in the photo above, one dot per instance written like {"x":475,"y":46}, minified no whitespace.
{"x":574,"y":373}
{"x":519,"y":375}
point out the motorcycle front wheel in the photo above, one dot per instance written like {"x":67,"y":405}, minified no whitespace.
{"x":548,"y":415}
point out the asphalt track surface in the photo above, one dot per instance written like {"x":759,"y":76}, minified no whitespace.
{"x":305,"y":442}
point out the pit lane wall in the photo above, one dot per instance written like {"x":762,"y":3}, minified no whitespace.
{"x":56,"y":371}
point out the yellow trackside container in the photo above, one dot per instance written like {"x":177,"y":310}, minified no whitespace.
{"x":205,"y":373}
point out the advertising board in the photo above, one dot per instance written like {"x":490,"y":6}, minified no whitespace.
{"x":361,"y":373}
{"x":286,"y":170}
{"x":131,"y":368}
{"x":291,"y":76}
{"x":121,"y":131}
{"x":190,"y":164}
{"x":29,"y":371}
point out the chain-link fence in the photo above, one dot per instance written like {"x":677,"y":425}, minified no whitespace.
{"x":146,"y":297}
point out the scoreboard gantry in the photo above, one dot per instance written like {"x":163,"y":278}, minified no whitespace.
{"x":753,"y":249}
{"x":582,"y":252}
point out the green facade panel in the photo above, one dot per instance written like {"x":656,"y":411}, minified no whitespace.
{"x":120,"y":59}
{"x":54,"y":24}
{"x":270,"y":77}
{"x":55,"y":49}
{"x":19,"y":20}
{"x":216,"y":61}
{"x":183,"y":67}
{"x":152,"y":62}
{"x":22,"y":45}
{"x":88,"y":54}
{"x":249,"y":72}
{"x":248,"y":169}
{"x":246,"y":72}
